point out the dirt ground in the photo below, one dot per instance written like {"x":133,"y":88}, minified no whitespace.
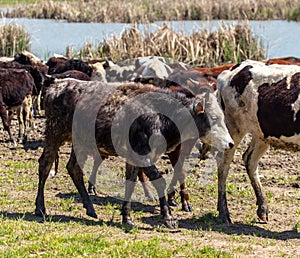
{"x":246,"y":236}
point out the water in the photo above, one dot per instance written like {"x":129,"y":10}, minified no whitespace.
{"x":49,"y":37}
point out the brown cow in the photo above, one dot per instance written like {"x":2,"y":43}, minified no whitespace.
{"x":15,"y":86}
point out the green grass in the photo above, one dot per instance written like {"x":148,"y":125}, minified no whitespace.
{"x":68,"y":232}
{"x":55,"y":239}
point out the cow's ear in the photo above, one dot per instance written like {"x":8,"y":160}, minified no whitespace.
{"x":199,"y":106}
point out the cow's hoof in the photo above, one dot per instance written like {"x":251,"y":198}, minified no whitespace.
{"x":150,"y":198}
{"x":187,"y":207}
{"x":262,"y":213}
{"x":128,"y":224}
{"x":225,"y":217}
{"x":41,"y":212}
{"x":92,"y":214}
{"x":173,"y":202}
{"x":170,"y":223}
{"x":92,"y":189}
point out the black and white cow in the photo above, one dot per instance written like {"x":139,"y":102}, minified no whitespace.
{"x":262,"y":100}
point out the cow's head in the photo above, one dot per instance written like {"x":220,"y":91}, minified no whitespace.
{"x":211,"y":122}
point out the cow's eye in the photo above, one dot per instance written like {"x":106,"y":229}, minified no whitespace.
{"x":214,"y":118}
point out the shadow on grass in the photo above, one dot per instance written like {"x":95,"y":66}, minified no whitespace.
{"x":28,"y":216}
{"x":212,"y":222}
{"x":207,"y":222}
{"x":108,"y":200}
{"x":32,"y":145}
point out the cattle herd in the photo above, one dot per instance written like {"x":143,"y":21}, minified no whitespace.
{"x":145,"y":107}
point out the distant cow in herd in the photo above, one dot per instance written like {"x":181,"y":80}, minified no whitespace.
{"x":60,"y":101}
{"x":58,"y":65}
{"x":263,"y":100}
{"x":16,"y":87}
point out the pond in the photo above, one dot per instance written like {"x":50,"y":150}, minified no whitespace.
{"x":48,"y":37}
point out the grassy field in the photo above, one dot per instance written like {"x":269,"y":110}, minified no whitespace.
{"x":68,"y":232}
{"x":14,"y":2}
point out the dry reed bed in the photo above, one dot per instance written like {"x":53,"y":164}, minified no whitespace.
{"x":13,"y":39}
{"x":155,"y":10}
{"x":202,"y":48}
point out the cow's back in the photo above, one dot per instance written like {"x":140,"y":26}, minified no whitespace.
{"x":15,"y":85}
{"x":263,"y":100}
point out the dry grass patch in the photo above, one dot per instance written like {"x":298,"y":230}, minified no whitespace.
{"x":157,"y":10}
{"x":229,"y":44}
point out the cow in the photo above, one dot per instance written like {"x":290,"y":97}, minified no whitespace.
{"x":284,"y":60}
{"x":188,"y":82}
{"x":75,"y":74}
{"x":115,"y":133}
{"x":183,"y":79}
{"x":27,"y":58}
{"x":38,"y":70}
{"x":24,"y":116}
{"x":61,"y":64}
{"x":15,"y":86}
{"x":262,"y":100}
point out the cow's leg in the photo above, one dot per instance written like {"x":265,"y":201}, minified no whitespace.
{"x":223,"y":169}
{"x":131,"y":178}
{"x":160,"y":185}
{"x":45,"y":163}
{"x":251,"y":157}
{"x":20,"y":121}
{"x":148,"y":193}
{"x":177,"y":158}
{"x":5,"y":120}
{"x":28,"y":112}
{"x":203,"y":150}
{"x":173,"y":156}
{"x":92,"y":179}
{"x":37,"y":104}
{"x":76,"y":174}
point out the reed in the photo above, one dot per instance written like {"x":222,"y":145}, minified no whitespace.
{"x":202,"y":48}
{"x":155,"y":10}
{"x":13,"y":39}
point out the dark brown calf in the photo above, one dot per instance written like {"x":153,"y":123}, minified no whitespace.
{"x":110,"y":106}
{"x":15,"y":86}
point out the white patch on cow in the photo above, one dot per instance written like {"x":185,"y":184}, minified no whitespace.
{"x":288,"y":82}
{"x":99,"y":73}
{"x":295,"y":108}
{"x":52,"y":173}
{"x":32,"y":57}
{"x":155,"y":67}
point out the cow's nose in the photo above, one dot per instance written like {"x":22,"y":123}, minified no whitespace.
{"x":231,"y":144}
